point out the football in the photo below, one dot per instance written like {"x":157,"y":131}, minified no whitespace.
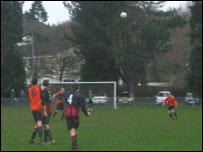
{"x":123,"y":15}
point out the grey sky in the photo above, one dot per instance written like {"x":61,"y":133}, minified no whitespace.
{"x":58,"y":13}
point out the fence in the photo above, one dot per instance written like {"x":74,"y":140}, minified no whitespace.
{"x":138,"y":102}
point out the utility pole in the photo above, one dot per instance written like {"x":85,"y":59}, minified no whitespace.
{"x":33,"y":57}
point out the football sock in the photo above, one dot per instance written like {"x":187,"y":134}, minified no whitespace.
{"x":62,"y":116}
{"x":45,"y":135}
{"x":171,"y":116}
{"x":49,"y":134}
{"x":54,"y":114}
{"x":175,"y":115}
{"x":40,"y":133}
{"x":74,"y":141}
{"x":34,"y":132}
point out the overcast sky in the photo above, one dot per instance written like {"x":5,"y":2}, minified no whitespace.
{"x":58,"y":13}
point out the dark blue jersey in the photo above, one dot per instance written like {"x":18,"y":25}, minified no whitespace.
{"x":46,"y":99}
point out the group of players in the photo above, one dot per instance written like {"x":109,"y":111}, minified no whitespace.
{"x":40,"y":105}
{"x":70,"y":102}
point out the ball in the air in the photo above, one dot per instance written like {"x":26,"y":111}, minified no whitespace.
{"x":123,"y":15}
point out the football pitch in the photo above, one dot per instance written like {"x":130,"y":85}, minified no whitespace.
{"x":124,"y":129}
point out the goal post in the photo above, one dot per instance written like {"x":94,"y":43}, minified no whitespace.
{"x":109,"y":87}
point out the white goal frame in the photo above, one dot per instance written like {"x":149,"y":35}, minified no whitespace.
{"x":97,"y":82}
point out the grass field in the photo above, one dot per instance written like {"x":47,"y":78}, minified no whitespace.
{"x":140,"y":129}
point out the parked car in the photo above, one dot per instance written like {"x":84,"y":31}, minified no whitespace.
{"x":125,"y":98}
{"x":190,"y":99}
{"x":99,"y":98}
{"x":161,"y":96}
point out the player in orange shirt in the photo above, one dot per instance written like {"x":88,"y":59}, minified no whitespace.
{"x":60,"y":102}
{"x":172,"y":103}
{"x":34,"y":94}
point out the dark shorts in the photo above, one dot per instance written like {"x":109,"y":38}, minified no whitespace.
{"x":45,"y":120}
{"x":37,"y":115}
{"x":60,"y":106}
{"x":171,"y":108}
{"x":90,"y":101}
{"x":72,"y":122}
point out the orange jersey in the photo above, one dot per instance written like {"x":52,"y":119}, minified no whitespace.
{"x":171,"y":101}
{"x":34,"y":94}
{"x":59,"y":100}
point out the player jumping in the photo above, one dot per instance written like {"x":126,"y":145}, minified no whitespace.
{"x":46,"y":103}
{"x":59,"y":105}
{"x":171,"y":105}
{"x":73,"y":100}
{"x":34,"y":94}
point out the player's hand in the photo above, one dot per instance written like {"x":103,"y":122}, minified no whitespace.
{"x":45,"y":114}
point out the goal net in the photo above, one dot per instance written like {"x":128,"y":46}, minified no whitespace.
{"x":104,"y":92}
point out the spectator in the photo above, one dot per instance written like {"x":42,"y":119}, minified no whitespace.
{"x":12,"y":93}
{"x":22,"y":94}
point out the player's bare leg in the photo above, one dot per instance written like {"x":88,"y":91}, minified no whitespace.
{"x":34,"y":132}
{"x":170,"y":114}
{"x":54,"y":113}
{"x":73,"y":134}
{"x":62,"y":116}
{"x":37,"y":128}
{"x":174,"y":113}
{"x":47,"y":133}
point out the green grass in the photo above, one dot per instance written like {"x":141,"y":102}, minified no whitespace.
{"x":140,"y":129}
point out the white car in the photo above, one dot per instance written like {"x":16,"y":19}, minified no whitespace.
{"x":161,"y":96}
{"x":99,"y":98}
{"x":190,"y":99}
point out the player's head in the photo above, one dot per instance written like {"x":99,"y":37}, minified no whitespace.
{"x":45,"y":83}
{"x":90,"y":91}
{"x":169,"y":94}
{"x":34,"y":81}
{"x":76,"y":87}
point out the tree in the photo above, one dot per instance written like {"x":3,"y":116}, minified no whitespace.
{"x":103,"y":38}
{"x":12,"y":67}
{"x":93,"y":38}
{"x":62,"y":66}
{"x":36,"y":13}
{"x":195,"y":60}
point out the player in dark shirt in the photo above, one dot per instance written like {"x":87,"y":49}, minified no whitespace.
{"x":73,"y":100}
{"x":46,"y":103}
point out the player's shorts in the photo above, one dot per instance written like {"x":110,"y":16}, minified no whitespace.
{"x":45,"y":120}
{"x":37,"y":115}
{"x":171,"y":108}
{"x":90,"y":101}
{"x":60,"y":106}
{"x":72,"y":122}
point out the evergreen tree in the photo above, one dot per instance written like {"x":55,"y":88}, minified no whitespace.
{"x":106,"y":41}
{"x":12,"y":67}
{"x":36,"y":13}
{"x":195,"y":61}
{"x":94,"y":40}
